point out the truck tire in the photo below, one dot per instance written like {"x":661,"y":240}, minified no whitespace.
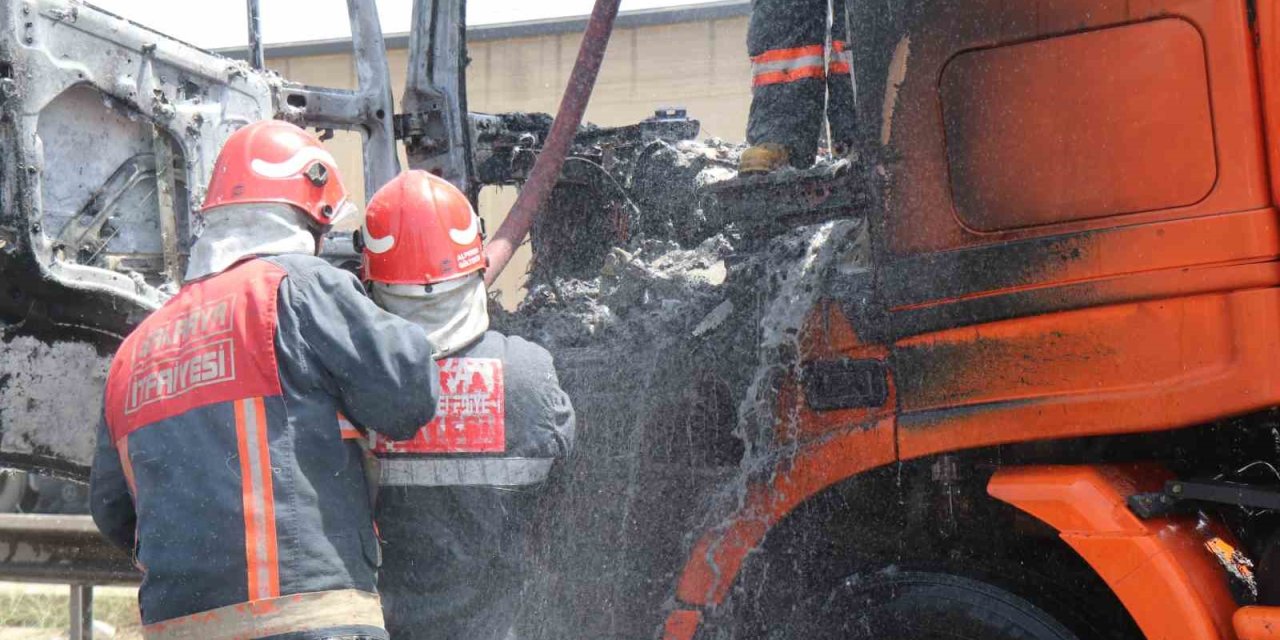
{"x":928,"y":606}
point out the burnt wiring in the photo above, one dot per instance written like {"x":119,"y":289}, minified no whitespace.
{"x":610,"y":179}
{"x":1251,"y":513}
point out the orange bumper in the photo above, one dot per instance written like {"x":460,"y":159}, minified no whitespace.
{"x":1160,"y":569}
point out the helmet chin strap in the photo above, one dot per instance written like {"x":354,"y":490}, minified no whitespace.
{"x":454,"y":316}
{"x":318,"y":233}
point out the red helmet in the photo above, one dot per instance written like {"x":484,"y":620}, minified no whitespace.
{"x":276,"y":162}
{"x":419,"y":229}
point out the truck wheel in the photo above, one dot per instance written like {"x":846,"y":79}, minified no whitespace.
{"x":928,"y":606}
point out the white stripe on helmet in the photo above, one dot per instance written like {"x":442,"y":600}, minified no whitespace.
{"x":376,"y":245}
{"x":468,"y":235}
{"x":293,"y":166}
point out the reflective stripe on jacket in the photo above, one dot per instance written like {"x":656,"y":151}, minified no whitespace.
{"x":788,"y":65}
{"x":281,"y":616}
{"x":221,"y":462}
{"x":800,"y":63}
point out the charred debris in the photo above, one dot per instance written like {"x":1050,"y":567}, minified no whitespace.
{"x":672,"y":293}
{"x":652,"y":244}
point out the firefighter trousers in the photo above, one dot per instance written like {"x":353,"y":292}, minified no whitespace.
{"x":794,"y":80}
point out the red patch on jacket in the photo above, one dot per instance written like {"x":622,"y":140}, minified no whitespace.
{"x":213,"y":342}
{"x":471,"y":414}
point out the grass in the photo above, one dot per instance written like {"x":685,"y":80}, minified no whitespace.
{"x":46,"y":607}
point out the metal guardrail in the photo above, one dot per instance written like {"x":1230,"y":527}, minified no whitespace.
{"x":56,"y":549}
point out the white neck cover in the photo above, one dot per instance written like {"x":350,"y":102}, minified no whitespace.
{"x":455,"y":313}
{"x":235,"y":232}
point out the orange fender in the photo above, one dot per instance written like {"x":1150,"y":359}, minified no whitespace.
{"x":1258,"y":623}
{"x":718,"y":556}
{"x":1160,"y":569}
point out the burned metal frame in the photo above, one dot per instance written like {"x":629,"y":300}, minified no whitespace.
{"x":257,"y":56}
{"x":191,"y":99}
{"x":187,"y":96}
{"x":155,"y":111}
{"x":435,"y":125}
{"x":368,"y":109}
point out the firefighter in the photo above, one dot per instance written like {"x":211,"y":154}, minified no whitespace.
{"x":795,"y":81}
{"x":220,"y":460}
{"x":457,"y":502}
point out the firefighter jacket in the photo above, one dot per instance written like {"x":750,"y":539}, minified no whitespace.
{"x":457,"y":502}
{"x":221,"y":463}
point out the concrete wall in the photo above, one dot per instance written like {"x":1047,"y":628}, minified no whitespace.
{"x":701,"y":65}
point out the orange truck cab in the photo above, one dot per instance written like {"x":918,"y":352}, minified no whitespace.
{"x":1075,"y":323}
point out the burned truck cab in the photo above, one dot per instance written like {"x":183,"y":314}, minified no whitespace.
{"x":1073,"y":308}
{"x":1089,"y":186}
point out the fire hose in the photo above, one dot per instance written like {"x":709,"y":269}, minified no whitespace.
{"x":546,"y":170}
